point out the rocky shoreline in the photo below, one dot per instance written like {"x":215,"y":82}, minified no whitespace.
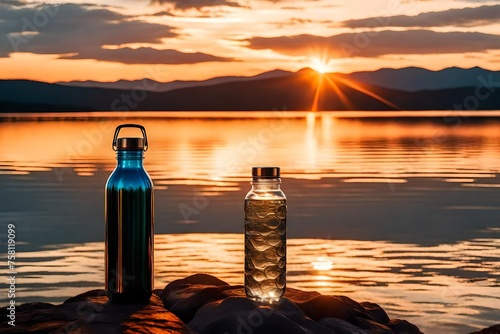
{"x":204,"y":304}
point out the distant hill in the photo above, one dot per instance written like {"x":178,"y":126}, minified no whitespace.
{"x":414,"y":78}
{"x":296,"y":91}
{"x":408,"y":79}
{"x":155,"y":86}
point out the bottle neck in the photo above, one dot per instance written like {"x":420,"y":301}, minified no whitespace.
{"x":266,"y":184}
{"x":129,"y":159}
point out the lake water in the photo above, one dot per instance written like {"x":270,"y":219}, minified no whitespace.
{"x":404,"y":212}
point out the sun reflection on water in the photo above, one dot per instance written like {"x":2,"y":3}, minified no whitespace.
{"x":310,"y":145}
{"x":322,"y":263}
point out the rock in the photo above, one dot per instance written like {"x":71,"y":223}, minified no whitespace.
{"x":91,"y":312}
{"x":203,"y":304}
{"x":340,"y":326}
{"x":241,"y":315}
{"x":185,"y":296}
{"x":299,"y":296}
{"x":376,"y":312}
{"x":490,"y":330}
{"x":330,"y":307}
{"x":402,"y":326}
{"x":217,"y":307}
{"x":372,"y":326}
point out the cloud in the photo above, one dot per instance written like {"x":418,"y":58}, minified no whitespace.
{"x":79,"y":31}
{"x":189,"y":4}
{"x":374,"y":44}
{"x":298,"y":20}
{"x":70,"y":28}
{"x":162,"y":13}
{"x":463,"y":17}
{"x":13,"y":3}
{"x":477,"y":0}
{"x":146,"y":56}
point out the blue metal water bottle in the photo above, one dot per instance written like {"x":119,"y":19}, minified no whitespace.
{"x":129,"y":211}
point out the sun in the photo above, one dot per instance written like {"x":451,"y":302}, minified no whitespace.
{"x":320,"y":65}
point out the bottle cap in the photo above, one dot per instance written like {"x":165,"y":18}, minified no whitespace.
{"x":130,"y":143}
{"x":265,"y":172}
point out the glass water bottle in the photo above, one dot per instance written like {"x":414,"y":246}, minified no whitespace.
{"x":129,"y":211}
{"x":265,"y":236}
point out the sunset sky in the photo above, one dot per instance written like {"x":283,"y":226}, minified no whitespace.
{"x":167,"y":40}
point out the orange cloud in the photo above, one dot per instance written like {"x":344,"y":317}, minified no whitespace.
{"x":80,"y":31}
{"x":188,"y":4}
{"x":374,"y":44}
{"x":146,"y":56}
{"x":462,"y":17}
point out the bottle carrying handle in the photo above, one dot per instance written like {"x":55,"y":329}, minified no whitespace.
{"x":119,"y":127}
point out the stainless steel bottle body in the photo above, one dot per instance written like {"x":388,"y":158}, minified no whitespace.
{"x":129,"y":214}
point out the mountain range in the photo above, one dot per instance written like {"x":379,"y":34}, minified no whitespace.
{"x":414,"y":78}
{"x":386,"y":89}
{"x":409,"y":79}
{"x":156,"y":86}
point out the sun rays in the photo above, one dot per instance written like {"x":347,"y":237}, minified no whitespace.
{"x":319,"y":89}
{"x":359,"y":87}
{"x":320,"y":65}
{"x":330,"y":83}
